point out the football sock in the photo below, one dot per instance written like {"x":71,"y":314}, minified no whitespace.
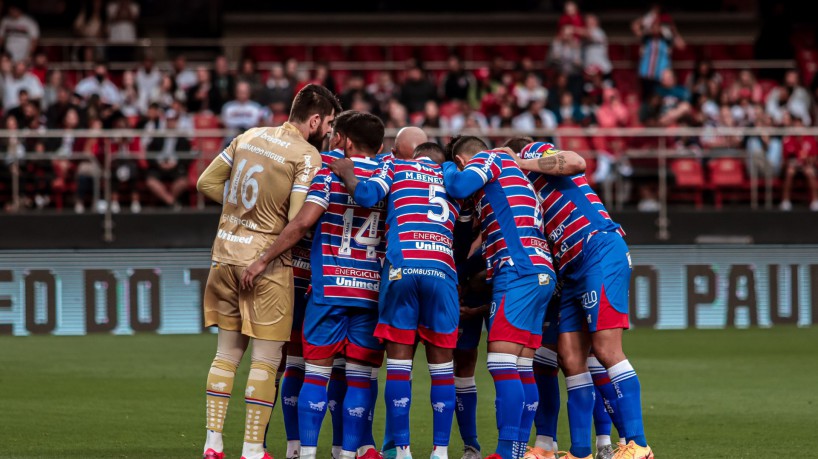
{"x":526,"y":370}
{"x":602,"y":420}
{"x":580,"y":412}
{"x":442,"y":397}
{"x":290,"y":387}
{"x":219,"y":387}
{"x":357,"y":403}
{"x":312,"y":405}
{"x":466,"y":393}
{"x":398,"y":395}
{"x":508,"y":402}
{"x":629,"y":403}
{"x":260,"y":395}
{"x":369,"y":438}
{"x":403,"y":452}
{"x":548,"y":386}
{"x":336,"y":390}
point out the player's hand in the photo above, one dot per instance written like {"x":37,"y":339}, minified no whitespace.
{"x":511,"y":152}
{"x":250,"y":273}
{"x":342,"y":166}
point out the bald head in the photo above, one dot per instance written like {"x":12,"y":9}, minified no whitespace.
{"x":407,"y":140}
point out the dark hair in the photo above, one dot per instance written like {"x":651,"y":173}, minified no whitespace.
{"x":363,"y":129}
{"x":314,"y":99}
{"x":518,"y":143}
{"x":431,"y":149}
{"x":469,"y":144}
{"x":448,"y":149}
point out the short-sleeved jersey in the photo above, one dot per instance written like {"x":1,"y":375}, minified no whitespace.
{"x":509,"y":212}
{"x":267,"y":165}
{"x":301,"y":251}
{"x":420,"y":216}
{"x":348,"y":244}
{"x":571,"y":208}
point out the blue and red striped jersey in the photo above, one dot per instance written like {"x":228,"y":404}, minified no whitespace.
{"x":420,"y":216}
{"x":571,"y":207}
{"x":301,"y":251}
{"x":348,"y":244}
{"x":509,"y":212}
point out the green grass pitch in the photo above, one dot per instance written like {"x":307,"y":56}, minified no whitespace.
{"x":706,"y":393}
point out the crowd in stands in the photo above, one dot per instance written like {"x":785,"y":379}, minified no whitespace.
{"x":575,"y":85}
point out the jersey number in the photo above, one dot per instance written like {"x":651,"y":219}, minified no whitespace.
{"x":365,"y":235}
{"x":443,"y":216}
{"x":249,"y":185}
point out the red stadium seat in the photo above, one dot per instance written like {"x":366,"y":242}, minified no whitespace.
{"x":687,"y":54}
{"x":366,"y":53}
{"x":689,"y":176}
{"x":473,"y":52}
{"x":401,"y":52}
{"x":536,"y":52}
{"x":617,"y":52}
{"x":743,"y":51}
{"x":726,"y":174}
{"x":717,"y":52}
{"x":508,"y":52}
{"x":434,"y":53}
{"x":328,"y":53}
{"x":262,"y":53}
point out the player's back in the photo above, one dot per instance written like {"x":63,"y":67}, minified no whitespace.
{"x":348,"y":242}
{"x":267,"y":166}
{"x":420,"y":215}
{"x":510,"y":216}
{"x":301,"y":252}
{"x":572,"y":210}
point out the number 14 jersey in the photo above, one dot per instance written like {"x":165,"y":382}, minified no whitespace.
{"x":347,"y":246}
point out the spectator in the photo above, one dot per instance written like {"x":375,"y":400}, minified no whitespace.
{"x":166,"y":93}
{"x":249,"y":74}
{"x":65,"y":148}
{"x":698,"y":81}
{"x":354,"y":88}
{"x":98,"y":84}
{"x":129,"y":96}
{"x":658,"y":34}
{"x":167,"y":174}
{"x":19,"y":112}
{"x":396,"y":115}
{"x":466,"y":117}
{"x":382,"y":90}
{"x":530,"y":90}
{"x":431,"y":117}
{"x":674,"y":98}
{"x":571,"y":21}
{"x":35,"y":176}
{"x":148,"y":81}
{"x":535,"y":116}
{"x":241,"y":114}
{"x":291,"y":70}
{"x":566,"y":56}
{"x":278,"y":93}
{"x":724,"y":120}
{"x":504,"y":117}
{"x":569,"y":112}
{"x":21,"y":79}
{"x":127,"y":164}
{"x":223,"y":85}
{"x":89,"y":22}
{"x":765,"y":151}
{"x":416,"y":90}
{"x":497,"y":70}
{"x":39,"y":66}
{"x":184,"y":77}
{"x":790,"y":97}
{"x":457,"y":82}
{"x":800,"y":153}
{"x":55,"y":112}
{"x":746,"y":86}
{"x":596,"y":48}
{"x":54,"y":81}
{"x":19,"y":34}
{"x":122,"y":17}
{"x":324,"y":77}
{"x":491,"y":102}
{"x":198,"y":96}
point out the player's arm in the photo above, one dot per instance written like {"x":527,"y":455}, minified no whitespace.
{"x":554,"y":162}
{"x":481,"y":169}
{"x":304,"y":174}
{"x":214,"y":179}
{"x":366,"y":192}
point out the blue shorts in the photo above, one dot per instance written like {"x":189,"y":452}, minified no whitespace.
{"x":418,"y":302}
{"x":550,"y":327}
{"x":595,"y":290}
{"x":331,"y":330}
{"x":518,"y":306}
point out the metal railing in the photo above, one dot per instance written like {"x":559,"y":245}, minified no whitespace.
{"x":761,"y":186}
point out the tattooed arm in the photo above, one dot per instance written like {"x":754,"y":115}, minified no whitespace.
{"x":558,"y":163}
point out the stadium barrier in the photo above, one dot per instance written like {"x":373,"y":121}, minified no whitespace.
{"x":594,"y":143}
{"x":160,"y":291}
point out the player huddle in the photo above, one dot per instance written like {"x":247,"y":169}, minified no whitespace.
{"x":351,"y":254}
